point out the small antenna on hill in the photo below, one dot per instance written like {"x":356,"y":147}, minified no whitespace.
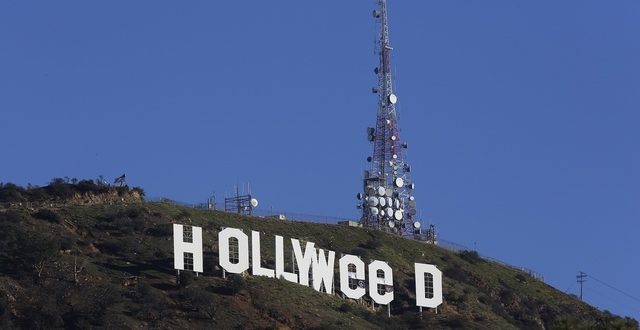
{"x":241,"y":204}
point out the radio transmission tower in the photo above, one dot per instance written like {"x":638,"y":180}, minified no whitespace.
{"x":387,"y":201}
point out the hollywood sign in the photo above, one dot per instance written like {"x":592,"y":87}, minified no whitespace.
{"x":187,"y":248}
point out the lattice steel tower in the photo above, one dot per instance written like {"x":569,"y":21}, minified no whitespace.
{"x":387,"y":202}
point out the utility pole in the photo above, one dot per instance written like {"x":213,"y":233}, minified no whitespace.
{"x":581,"y":278}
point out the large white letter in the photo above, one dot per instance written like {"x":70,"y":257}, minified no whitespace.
{"x":323,"y":271}
{"x":303,"y":261}
{"x":243,"y":250}
{"x":255,"y":257}
{"x":291,"y":277}
{"x":374,"y":280}
{"x":187,"y":242}
{"x":345,"y":275}
{"x":428,"y":298}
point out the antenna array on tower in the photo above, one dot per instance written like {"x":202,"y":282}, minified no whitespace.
{"x":387,"y":201}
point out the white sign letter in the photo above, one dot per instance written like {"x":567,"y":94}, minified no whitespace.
{"x":187,"y":248}
{"x":303,"y":261}
{"x":345,"y":275}
{"x":243,"y":250}
{"x":323,"y":271}
{"x":255,"y":257}
{"x":291,"y":277}
{"x":428,"y":286}
{"x":386,"y":279}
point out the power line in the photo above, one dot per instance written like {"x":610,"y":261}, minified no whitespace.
{"x":626,"y":308}
{"x":614,"y":288}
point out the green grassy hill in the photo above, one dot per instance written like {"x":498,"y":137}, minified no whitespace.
{"x":110,"y":265}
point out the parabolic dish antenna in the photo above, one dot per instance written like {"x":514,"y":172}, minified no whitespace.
{"x":382,"y":213}
{"x":390,"y":201}
{"x":254,"y":202}
{"x":382,"y":202}
{"x":381,"y":191}
{"x":373,"y":201}
{"x":374,"y":210}
{"x":393,"y":99}
{"x":416,"y":225}
{"x":391,"y":224}
{"x":389,"y":211}
{"x":399,"y":182}
{"x":397,"y":215}
{"x":396,"y":203}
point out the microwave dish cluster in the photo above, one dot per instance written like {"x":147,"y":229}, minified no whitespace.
{"x":387,"y":200}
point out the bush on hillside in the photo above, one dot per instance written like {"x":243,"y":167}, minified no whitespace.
{"x":47,"y":215}
{"x":471,"y":257}
{"x":236,"y":283}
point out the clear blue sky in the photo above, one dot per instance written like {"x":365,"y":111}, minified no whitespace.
{"x":521,"y":117}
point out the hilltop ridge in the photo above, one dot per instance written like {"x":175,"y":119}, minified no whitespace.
{"x":104,"y":262}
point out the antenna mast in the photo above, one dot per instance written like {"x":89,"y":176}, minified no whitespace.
{"x":387,"y":202}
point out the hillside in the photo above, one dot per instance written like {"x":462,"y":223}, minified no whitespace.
{"x":109,"y":264}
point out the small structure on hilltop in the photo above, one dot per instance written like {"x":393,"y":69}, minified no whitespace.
{"x":241,"y":204}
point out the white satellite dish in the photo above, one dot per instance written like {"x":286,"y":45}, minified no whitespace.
{"x":374,"y":210}
{"x":416,"y":225}
{"x":411,"y":198}
{"x":396,"y":203}
{"x":388,"y":122}
{"x":381,"y":191}
{"x":397,"y":215}
{"x":382,"y":202}
{"x":389,"y":192}
{"x":373,"y":201}
{"x":382,"y":213}
{"x":389,"y":211}
{"x":412,"y":212}
{"x":393,"y":98}
{"x":390,"y":201}
{"x":395,"y":156}
{"x":371,"y":191}
{"x":393,"y":137}
{"x":399,"y":182}
{"x":412,"y":186}
{"x":391,"y":224}
{"x":254,"y":202}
